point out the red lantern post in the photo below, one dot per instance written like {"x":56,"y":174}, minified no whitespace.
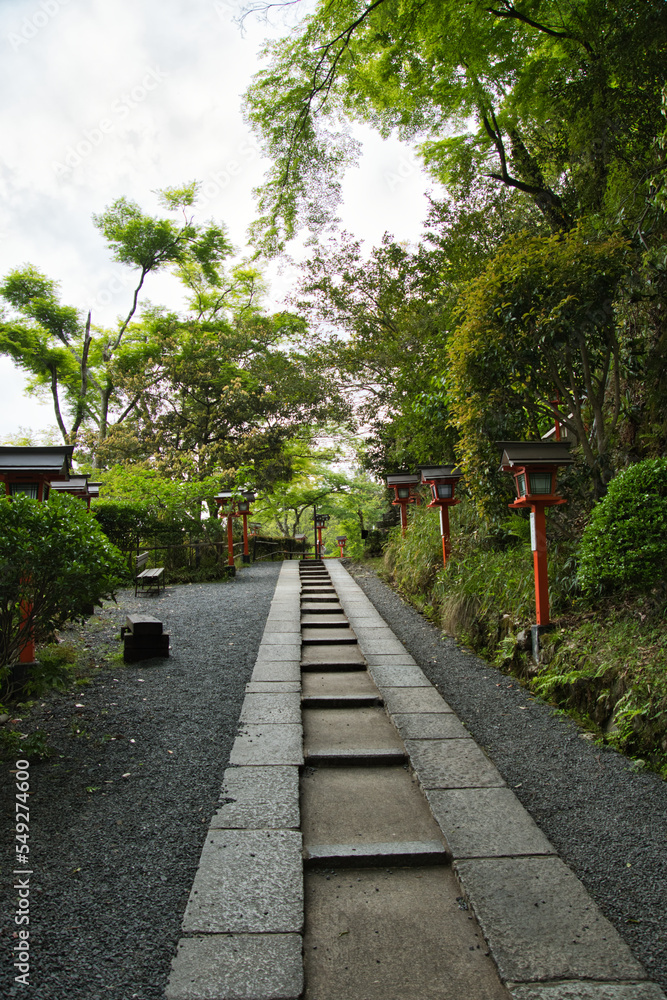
{"x":442,"y":480}
{"x":341,"y":539}
{"x":534,"y":466}
{"x":320,"y":522}
{"x":404,"y":486}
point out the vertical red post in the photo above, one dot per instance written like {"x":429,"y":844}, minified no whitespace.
{"x":404,"y":517}
{"x":27,"y":650}
{"x":444,"y":531}
{"x":319,"y":541}
{"x":540,"y":565}
{"x":341,"y":546}
{"x":230,"y":537}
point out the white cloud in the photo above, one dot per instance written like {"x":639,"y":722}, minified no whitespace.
{"x":127,"y":98}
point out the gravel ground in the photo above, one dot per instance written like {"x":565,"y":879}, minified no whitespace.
{"x":119,"y":814}
{"x":606,"y":818}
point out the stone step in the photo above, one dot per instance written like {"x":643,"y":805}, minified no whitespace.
{"x":338,"y":682}
{"x":322,"y":657}
{"x":319,"y":602}
{"x":327,"y":636}
{"x":349,"y":729}
{"x":393,"y":933}
{"x":365,"y":757}
{"x":340,"y":700}
{"x":401,"y":853}
{"x":334,"y":669}
{"x":358,"y":806}
{"x":324,"y":621}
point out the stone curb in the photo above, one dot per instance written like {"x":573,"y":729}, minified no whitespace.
{"x":244,"y":917}
{"x":547,"y":936}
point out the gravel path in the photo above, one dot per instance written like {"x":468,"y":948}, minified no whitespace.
{"x":119,"y":814}
{"x":607,"y":820}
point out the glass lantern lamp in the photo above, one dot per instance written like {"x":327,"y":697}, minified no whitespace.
{"x":534,"y":466}
{"x":442,"y":481}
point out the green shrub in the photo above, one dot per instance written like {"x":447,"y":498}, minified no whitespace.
{"x":55,"y":562}
{"x":53,"y":669}
{"x":624,"y":545}
{"x":14,"y":744}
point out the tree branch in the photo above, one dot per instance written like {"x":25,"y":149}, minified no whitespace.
{"x":510,"y":12}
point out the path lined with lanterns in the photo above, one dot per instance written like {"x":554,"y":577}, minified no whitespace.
{"x":336,"y":702}
{"x":534,"y":466}
{"x":368,"y":843}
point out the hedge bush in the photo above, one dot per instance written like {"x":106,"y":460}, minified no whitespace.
{"x":55,"y":560}
{"x":624,"y":545}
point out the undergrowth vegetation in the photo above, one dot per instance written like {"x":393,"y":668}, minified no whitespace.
{"x":606,"y":660}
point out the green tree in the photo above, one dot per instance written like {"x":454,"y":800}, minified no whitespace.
{"x":74,"y":360}
{"x":55,"y":562}
{"x":392,"y":311}
{"x":537,"y":340}
{"x":560,"y":103}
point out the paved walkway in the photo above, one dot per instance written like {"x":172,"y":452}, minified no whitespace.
{"x":244,"y":923}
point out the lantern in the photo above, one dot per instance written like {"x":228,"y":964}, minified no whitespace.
{"x":404,"y":486}
{"x":341,"y":539}
{"x":319,"y":521}
{"x":534,"y":465}
{"x":442,"y":480}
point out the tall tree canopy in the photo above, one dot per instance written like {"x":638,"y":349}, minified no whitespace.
{"x":560,"y":102}
{"x":221,"y":386}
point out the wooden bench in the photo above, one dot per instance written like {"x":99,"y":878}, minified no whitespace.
{"x":147,"y":580}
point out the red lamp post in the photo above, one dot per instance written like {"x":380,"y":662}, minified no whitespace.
{"x":30,"y":471}
{"x":404,"y":486}
{"x":341,"y":539}
{"x":231,"y":508}
{"x":442,"y":479}
{"x":320,"y":521}
{"x":534,"y":466}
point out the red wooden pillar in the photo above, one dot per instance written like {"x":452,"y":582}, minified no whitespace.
{"x":444,"y":531}
{"x":230,"y":537}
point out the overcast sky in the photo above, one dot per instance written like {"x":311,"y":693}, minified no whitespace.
{"x":103,"y":98}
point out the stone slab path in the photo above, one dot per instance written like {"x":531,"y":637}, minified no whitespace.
{"x":361,"y":801}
